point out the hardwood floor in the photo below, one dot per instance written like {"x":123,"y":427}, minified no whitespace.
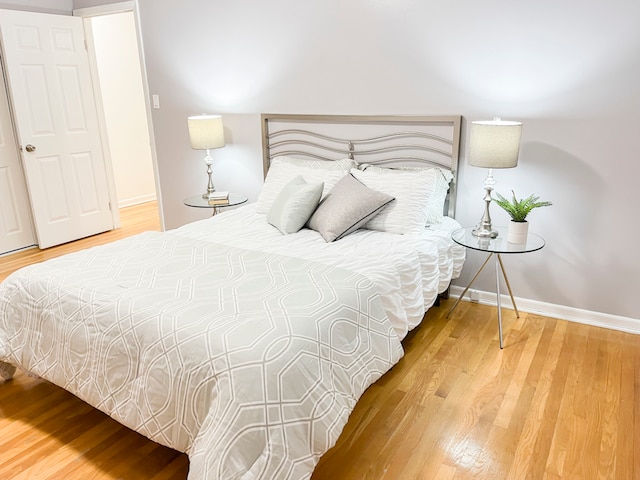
{"x":135,"y":219}
{"x":562,"y":400}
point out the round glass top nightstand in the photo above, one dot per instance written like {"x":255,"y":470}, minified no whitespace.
{"x":198,"y":201}
{"x":465,"y":237}
{"x":495,"y":247}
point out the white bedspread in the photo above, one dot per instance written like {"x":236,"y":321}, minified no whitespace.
{"x":408,"y":270}
{"x":223,"y":339}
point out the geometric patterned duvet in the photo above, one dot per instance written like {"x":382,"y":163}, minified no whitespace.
{"x":249,"y":362}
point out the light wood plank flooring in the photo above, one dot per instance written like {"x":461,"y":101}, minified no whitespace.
{"x":562,"y":400}
{"x":135,"y":219}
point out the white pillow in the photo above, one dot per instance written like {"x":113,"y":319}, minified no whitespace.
{"x":294,"y":205}
{"x":412,"y":190}
{"x":284,"y":169}
{"x":435,"y":208}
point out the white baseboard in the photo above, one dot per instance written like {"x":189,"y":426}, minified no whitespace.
{"x":128,"y":202}
{"x":11,"y":252}
{"x":588,"y":317}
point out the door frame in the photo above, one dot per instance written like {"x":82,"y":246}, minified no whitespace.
{"x":86,"y":14}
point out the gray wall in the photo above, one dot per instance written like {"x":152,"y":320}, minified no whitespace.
{"x":43,"y":6}
{"x":572,"y":79}
{"x":92,"y":3}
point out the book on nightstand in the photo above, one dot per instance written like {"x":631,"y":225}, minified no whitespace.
{"x":219,"y":198}
{"x":218,"y":195}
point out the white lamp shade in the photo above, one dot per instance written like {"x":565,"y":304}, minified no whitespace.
{"x":206,"y":131}
{"x":494,"y":144}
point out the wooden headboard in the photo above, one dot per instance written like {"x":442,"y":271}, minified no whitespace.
{"x":384,"y":140}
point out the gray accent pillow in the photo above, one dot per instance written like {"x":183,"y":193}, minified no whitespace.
{"x":347,"y":207}
{"x":294,"y":205}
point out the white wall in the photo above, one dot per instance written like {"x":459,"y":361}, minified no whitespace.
{"x":118,"y":63}
{"x":568,"y":70}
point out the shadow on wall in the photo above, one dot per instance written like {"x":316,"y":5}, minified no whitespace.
{"x":568,"y":226}
{"x":560,"y":273}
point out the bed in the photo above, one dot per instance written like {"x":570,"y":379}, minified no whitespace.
{"x":240,"y":342}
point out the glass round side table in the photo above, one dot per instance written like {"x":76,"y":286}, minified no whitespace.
{"x":198,"y":201}
{"x":495,"y":247}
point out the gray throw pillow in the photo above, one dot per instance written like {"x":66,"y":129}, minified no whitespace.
{"x":347,"y":207}
{"x":294,"y":205}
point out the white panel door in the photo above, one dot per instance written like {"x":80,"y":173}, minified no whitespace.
{"x":15,"y":213}
{"x":50,"y":86}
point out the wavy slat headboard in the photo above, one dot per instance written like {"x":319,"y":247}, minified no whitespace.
{"x":386,"y":140}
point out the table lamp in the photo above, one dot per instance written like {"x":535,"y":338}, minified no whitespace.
{"x":206,"y":132}
{"x":492,"y":144}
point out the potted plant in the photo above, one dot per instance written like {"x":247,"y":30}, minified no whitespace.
{"x":518,"y":211}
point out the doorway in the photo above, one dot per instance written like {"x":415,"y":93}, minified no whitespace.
{"x":128,"y":152}
{"x":115,"y":56}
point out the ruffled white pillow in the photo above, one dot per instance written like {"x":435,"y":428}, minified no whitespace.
{"x":412,"y":190}
{"x":283,"y":169}
{"x":439,"y":188}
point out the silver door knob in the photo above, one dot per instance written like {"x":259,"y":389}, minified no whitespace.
{"x":30,"y":148}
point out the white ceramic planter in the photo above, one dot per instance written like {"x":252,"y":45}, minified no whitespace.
{"x":517,"y":232}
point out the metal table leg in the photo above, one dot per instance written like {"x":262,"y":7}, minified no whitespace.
{"x":506,"y":280}
{"x":499,"y":268}
{"x":469,"y":286}
{"x":498,"y":264}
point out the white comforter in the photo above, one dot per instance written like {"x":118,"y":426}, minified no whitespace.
{"x":247,"y":360}
{"x":408,"y":270}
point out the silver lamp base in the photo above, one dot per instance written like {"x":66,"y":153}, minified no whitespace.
{"x":210,"y":187}
{"x":484,"y":230}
